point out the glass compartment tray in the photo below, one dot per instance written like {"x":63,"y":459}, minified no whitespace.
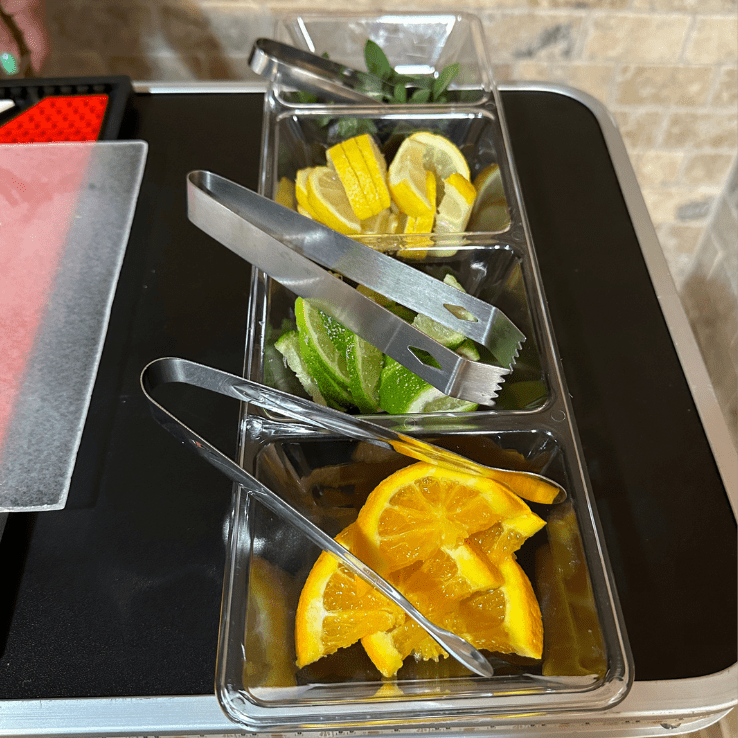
{"x":531,"y":427}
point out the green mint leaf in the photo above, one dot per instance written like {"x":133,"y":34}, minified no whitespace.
{"x":444,"y":79}
{"x":376,"y":61}
{"x":400,"y":93}
{"x":350,"y":127}
{"x":420,"y":96}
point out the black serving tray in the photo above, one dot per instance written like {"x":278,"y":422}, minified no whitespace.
{"x":119,"y":594}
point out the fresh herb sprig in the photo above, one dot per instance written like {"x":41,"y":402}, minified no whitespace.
{"x":407,"y":88}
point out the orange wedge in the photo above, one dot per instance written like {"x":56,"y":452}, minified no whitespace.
{"x":419,"y":509}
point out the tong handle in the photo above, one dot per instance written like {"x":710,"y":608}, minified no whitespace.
{"x":166,"y":370}
{"x":286,"y":65}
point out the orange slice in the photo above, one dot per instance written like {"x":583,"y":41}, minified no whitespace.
{"x":336,"y":608}
{"x":506,"y":619}
{"x":419,"y":509}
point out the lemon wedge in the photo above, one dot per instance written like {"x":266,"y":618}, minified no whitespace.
{"x":354,"y":182}
{"x":456,"y":204}
{"x":286,"y":193}
{"x":412,"y":186}
{"x":376,"y":166}
{"x":328,"y":202}
{"x":440,"y":155}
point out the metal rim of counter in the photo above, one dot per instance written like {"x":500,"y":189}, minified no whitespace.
{"x":684,"y":705}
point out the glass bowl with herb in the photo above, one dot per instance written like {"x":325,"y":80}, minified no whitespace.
{"x":427,"y":58}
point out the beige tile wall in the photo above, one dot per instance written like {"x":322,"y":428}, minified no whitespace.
{"x":667,"y":70}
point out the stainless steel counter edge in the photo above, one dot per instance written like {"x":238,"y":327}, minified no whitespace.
{"x":682,"y":706}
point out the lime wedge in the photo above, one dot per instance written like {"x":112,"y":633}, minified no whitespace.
{"x":468,"y":349}
{"x":365,"y":364}
{"x":322,"y":345}
{"x":445,"y":336}
{"x":288,"y":344}
{"x":401,"y":391}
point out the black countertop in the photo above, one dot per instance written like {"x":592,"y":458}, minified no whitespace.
{"x":119,"y":593}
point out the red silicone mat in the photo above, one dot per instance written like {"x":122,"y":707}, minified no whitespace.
{"x":58,"y":118}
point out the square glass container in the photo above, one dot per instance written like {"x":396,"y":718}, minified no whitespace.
{"x":417,"y":44}
{"x":586,"y":663}
{"x":492,"y":260}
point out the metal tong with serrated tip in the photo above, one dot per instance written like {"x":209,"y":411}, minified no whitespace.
{"x":298,"y":252}
{"x":165,"y":370}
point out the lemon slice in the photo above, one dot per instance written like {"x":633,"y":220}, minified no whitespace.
{"x":286,"y":193}
{"x":376,"y":166}
{"x":328,"y":202}
{"x":440,"y":155}
{"x":367,"y":179}
{"x":354,"y":182}
{"x":301,"y":193}
{"x":416,"y":246}
{"x":379,"y":223}
{"x":412,"y":186}
{"x":456,"y":204}
{"x":490,"y":212}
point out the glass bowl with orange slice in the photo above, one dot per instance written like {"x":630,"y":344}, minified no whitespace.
{"x":305,"y":645}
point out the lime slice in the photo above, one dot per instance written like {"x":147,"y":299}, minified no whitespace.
{"x":325,"y":361}
{"x":288,"y":344}
{"x":445,"y":336}
{"x":468,"y":349}
{"x":401,"y":391}
{"x":365,"y":364}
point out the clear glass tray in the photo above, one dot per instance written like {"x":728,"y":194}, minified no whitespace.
{"x":586,"y":663}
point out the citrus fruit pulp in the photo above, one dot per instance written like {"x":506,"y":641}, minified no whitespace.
{"x":505,"y":619}
{"x":440,"y":155}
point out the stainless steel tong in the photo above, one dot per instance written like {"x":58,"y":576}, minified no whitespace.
{"x":301,"y":253}
{"x":302,"y":70}
{"x":166,"y":370}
